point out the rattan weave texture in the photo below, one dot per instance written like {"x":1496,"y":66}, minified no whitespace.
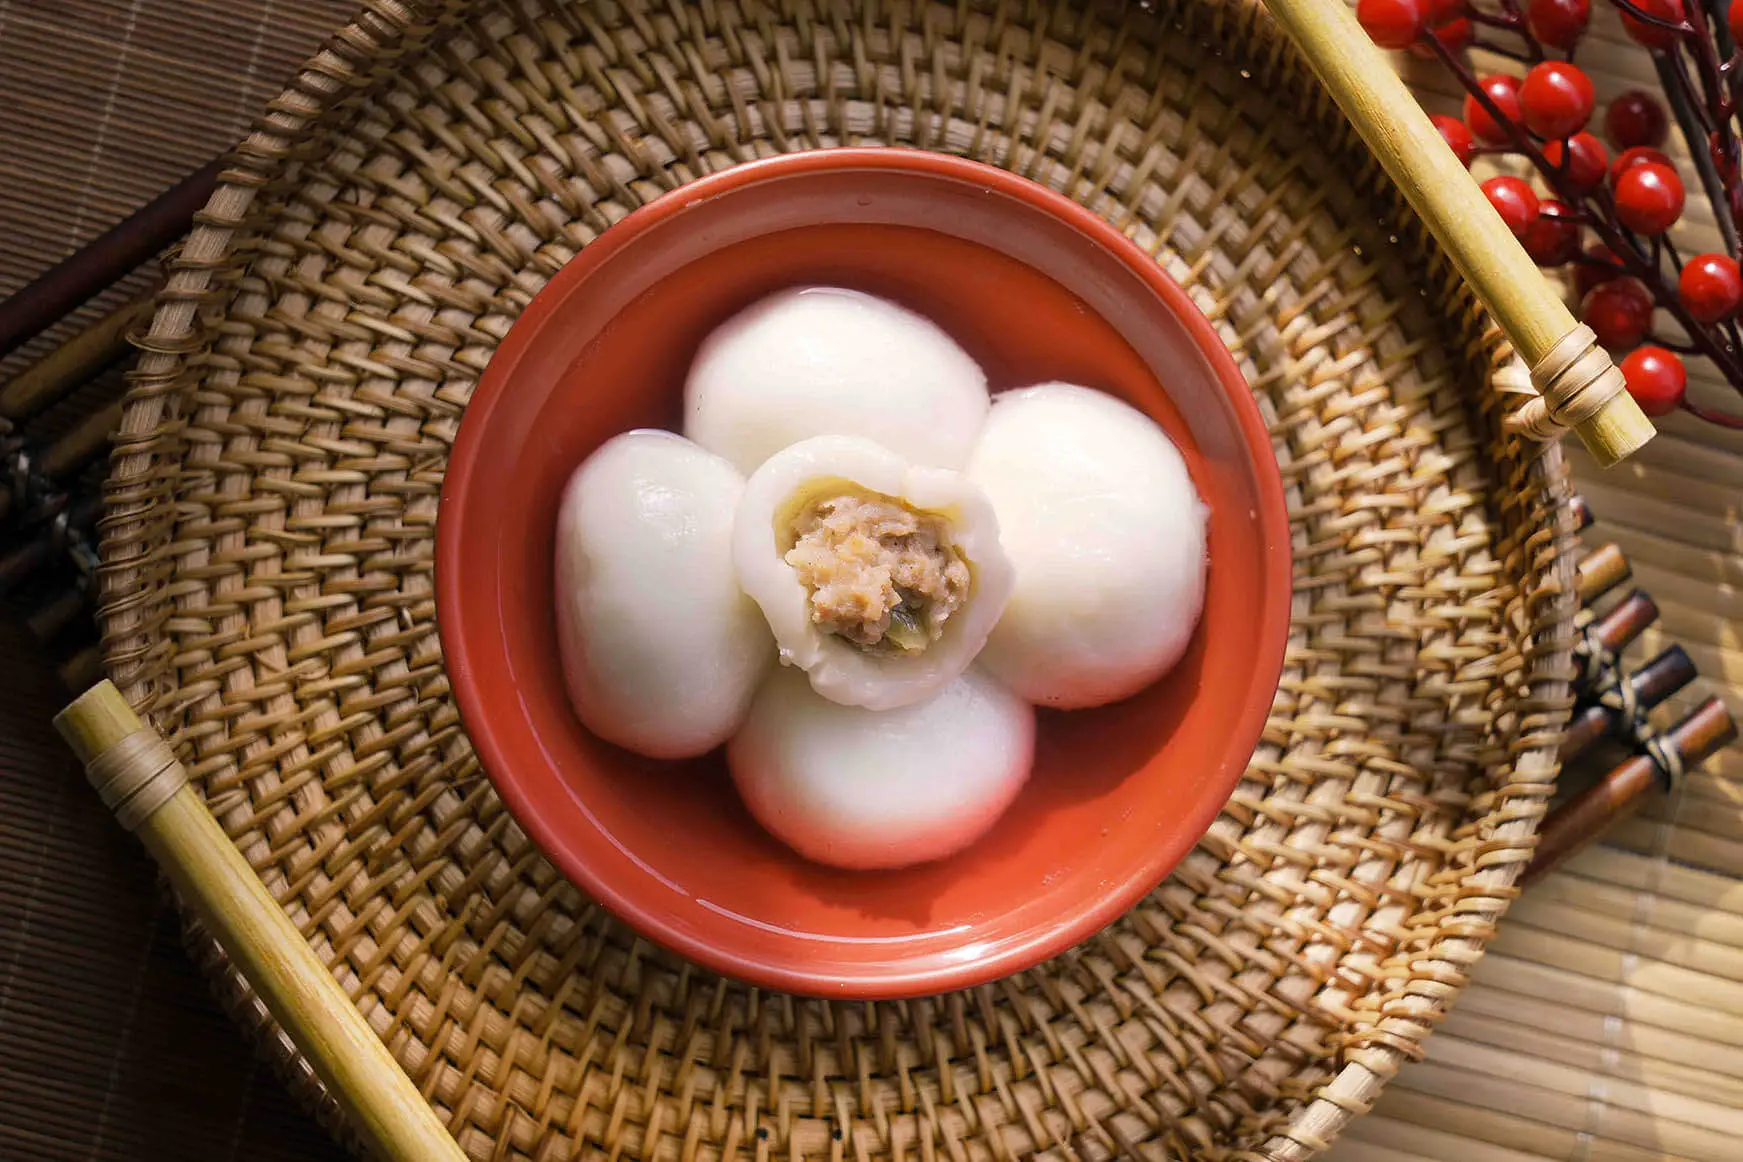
{"x":267,"y":578}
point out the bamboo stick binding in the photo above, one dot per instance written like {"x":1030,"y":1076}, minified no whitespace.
{"x":139,"y":778}
{"x":1578,"y":385}
{"x":1621,"y":707}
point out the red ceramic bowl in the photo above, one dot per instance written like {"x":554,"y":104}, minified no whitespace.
{"x":1036,"y":288}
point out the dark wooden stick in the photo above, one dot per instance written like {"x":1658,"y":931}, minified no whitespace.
{"x":75,"y":362}
{"x":1646,"y":688}
{"x":105,"y":260}
{"x":1603,"y":637}
{"x":1571,"y":826}
{"x":59,"y":611}
{"x":24,"y":560}
{"x":82,"y":443}
{"x":75,"y":448}
{"x":1600,"y":571}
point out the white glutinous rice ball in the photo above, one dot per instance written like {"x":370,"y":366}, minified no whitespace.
{"x":880,"y":579}
{"x":867,"y":789}
{"x":823,"y":361}
{"x":1107,"y":537}
{"x":661,"y":650}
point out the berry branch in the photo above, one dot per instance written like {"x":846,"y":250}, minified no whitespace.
{"x":1631,"y":269}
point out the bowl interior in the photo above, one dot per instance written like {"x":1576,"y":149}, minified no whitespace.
{"x":1035,"y":289}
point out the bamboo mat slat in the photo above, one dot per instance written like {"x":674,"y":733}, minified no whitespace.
{"x":1606,"y":1025}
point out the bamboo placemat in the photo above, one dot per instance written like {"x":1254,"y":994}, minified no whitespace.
{"x":1607,"y":1020}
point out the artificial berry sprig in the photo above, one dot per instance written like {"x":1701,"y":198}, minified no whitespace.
{"x":1626,"y":204}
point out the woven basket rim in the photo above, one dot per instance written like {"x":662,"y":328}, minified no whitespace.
{"x":364,"y":51}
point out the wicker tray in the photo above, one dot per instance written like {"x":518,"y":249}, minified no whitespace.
{"x":267,"y":575}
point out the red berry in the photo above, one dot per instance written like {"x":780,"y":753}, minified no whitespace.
{"x":1629,"y":158}
{"x":1649,"y":198}
{"x":1617,"y":311}
{"x":1598,"y":266}
{"x":1656,"y":379}
{"x":1514,"y":200}
{"x":1652,"y":35}
{"x":1558,"y":23}
{"x":1392,"y":23}
{"x":1710,"y":287}
{"x":1554,"y":239}
{"x":1587,"y":161}
{"x":1556,"y":99}
{"x":1457,"y":136}
{"x":1445,"y":11}
{"x":1734,"y":20}
{"x":1504,"y":92}
{"x":1634,"y":118}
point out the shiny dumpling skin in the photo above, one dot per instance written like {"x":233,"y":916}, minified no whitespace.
{"x":838,"y":670}
{"x":824,"y":361}
{"x":661,"y":651}
{"x":1106,"y":534}
{"x":865,"y":789}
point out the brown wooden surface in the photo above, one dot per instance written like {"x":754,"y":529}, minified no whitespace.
{"x":111,"y":1046}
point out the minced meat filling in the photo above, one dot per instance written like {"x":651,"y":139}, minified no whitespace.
{"x":880,"y":575}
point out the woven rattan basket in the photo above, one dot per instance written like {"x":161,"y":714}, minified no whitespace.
{"x":266,"y":584}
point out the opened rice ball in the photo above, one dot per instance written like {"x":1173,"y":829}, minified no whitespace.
{"x":1106,"y":536}
{"x":880,"y":578}
{"x":863,"y":789}
{"x":661,"y":650}
{"x":824,"y":361}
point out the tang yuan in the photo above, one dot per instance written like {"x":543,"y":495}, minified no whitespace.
{"x":661,"y":650}
{"x":926,"y":565}
{"x":860,"y":788}
{"x":880,"y":579}
{"x":1106,"y":535}
{"x":824,"y":361}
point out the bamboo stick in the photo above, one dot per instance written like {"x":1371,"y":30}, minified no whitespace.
{"x":1520,"y":1015}
{"x":1705,"y":956}
{"x":1394,"y":1138}
{"x":1577,"y":977}
{"x":148,"y":789}
{"x":1458,"y":1110}
{"x":1715,"y":995}
{"x":1608,"y":865}
{"x":1554,"y":1078}
{"x":1669,"y":917}
{"x":1588,"y":1109}
{"x":1371,"y":94}
{"x":1513,"y":1036}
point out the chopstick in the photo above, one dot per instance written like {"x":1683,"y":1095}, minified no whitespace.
{"x":145,"y":233}
{"x":1578,"y":385}
{"x":1570,"y":827}
{"x":139,"y":778}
